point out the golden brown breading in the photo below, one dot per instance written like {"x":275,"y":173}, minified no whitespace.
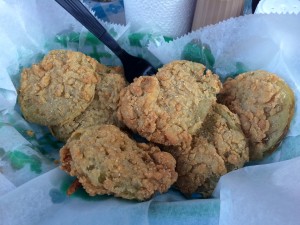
{"x":169,"y":108}
{"x":223,"y":129}
{"x":265,"y":105}
{"x":102,"y":109}
{"x":199,"y":167}
{"x":106,"y":161}
{"x":59,"y":88}
{"x":73,"y":187}
{"x":219,"y":147}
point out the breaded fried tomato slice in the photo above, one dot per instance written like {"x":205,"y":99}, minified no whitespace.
{"x":106,"y":161}
{"x":59,"y":88}
{"x":218,"y":148}
{"x":169,"y":107}
{"x":102,"y":109}
{"x":265,"y":105}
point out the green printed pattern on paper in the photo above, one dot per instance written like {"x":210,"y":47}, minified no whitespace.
{"x":41,"y":140}
{"x":198,"y":52}
{"x":19,"y":159}
{"x":48,"y":143}
{"x":75,"y":37}
{"x":143,"y":39}
{"x":91,"y":43}
{"x":240,"y":68}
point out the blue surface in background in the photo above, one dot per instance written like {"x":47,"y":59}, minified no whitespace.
{"x":108,"y":11}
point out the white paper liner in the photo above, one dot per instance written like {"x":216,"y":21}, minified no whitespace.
{"x":268,"y":42}
{"x":28,"y":31}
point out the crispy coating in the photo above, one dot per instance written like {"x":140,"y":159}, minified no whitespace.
{"x":265,"y":105}
{"x":106,"y":161}
{"x":59,"y":88}
{"x":219,"y":147}
{"x":199,"y":167}
{"x":73,"y":187}
{"x":223,"y":129}
{"x":169,"y":108}
{"x":102,"y":109}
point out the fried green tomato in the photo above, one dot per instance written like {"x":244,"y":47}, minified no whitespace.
{"x":265,"y":105}
{"x":169,"y":107}
{"x":59,"y":88}
{"x":218,"y":148}
{"x":102,"y":109}
{"x":106,"y":161}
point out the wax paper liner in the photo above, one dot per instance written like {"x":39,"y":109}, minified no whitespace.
{"x":28,"y":31}
{"x":251,"y":195}
{"x":31,"y":195}
{"x":268,"y":42}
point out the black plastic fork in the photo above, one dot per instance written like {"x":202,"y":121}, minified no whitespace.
{"x":133,"y":66}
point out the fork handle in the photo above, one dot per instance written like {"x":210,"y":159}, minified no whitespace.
{"x":83,"y":15}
